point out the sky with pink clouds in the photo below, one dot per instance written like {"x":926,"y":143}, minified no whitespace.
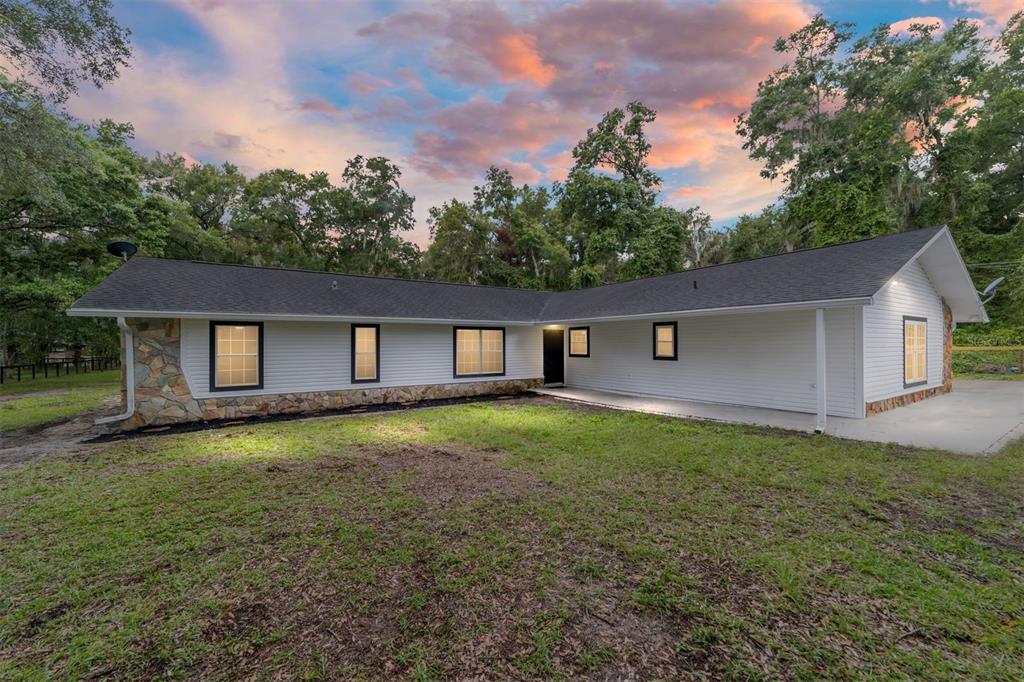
{"x":447,"y":90}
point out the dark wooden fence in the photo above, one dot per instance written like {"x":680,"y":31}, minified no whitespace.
{"x":53,"y":368}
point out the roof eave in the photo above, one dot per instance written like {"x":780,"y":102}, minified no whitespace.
{"x":204,"y":315}
{"x":976,"y":308}
{"x":725,"y":310}
{"x":281,"y":317}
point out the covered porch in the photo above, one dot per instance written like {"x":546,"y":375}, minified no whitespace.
{"x":804,"y":358}
{"x":978,"y":417}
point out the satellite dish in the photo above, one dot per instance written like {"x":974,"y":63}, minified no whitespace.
{"x":990,"y":290}
{"x":992,"y":287}
{"x":123,"y":250}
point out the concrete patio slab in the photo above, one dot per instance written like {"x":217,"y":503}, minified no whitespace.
{"x":978,"y":417}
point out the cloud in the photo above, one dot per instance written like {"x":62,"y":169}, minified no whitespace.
{"x":996,"y":10}
{"x":692,"y":137}
{"x":729,"y":187}
{"x":467,"y":137}
{"x":687,"y":191}
{"x":480,"y":43}
{"x":318,"y":105}
{"x":903,"y":26}
{"x":664,"y":54}
{"x":697,"y":64}
{"x":404,"y":25}
{"x":363,"y":83}
{"x":515,"y":57}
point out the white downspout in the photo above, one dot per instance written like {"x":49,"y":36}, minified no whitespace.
{"x":129,"y":376}
{"x":819,"y":366}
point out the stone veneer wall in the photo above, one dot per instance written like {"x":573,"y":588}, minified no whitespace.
{"x":947,"y":373}
{"x":162,"y":395}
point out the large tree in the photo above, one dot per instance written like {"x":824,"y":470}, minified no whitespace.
{"x":507,"y":236}
{"x":63,"y":187}
{"x":58,"y":44}
{"x":286,"y":218}
{"x":609,"y":205}
{"x":52,"y":244}
{"x":368,"y":236}
{"x":603,"y":224}
{"x":461,"y":246}
{"x":894,"y":132}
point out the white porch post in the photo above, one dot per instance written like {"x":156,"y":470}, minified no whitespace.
{"x":819,"y":366}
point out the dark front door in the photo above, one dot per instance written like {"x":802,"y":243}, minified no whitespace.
{"x":554,"y":358}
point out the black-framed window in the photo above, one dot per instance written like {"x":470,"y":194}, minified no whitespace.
{"x":365,"y":353}
{"x":915,"y":351}
{"x":666,"y":342}
{"x":478,"y":351}
{"x":579,"y":342}
{"x":236,"y":356}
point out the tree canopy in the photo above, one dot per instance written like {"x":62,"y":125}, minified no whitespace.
{"x":895,"y":131}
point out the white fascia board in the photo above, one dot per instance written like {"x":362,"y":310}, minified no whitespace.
{"x":731,"y":310}
{"x":185,"y":314}
{"x":192,"y":315}
{"x":966,"y":274}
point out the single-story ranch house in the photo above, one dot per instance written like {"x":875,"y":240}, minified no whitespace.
{"x":846,"y":330}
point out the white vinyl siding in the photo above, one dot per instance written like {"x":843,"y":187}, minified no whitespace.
{"x":316,"y":356}
{"x":761,"y":360}
{"x":909,"y":294}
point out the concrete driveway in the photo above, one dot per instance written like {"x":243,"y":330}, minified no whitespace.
{"x":978,"y":417}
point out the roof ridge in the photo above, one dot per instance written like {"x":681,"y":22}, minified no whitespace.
{"x":278,"y":268}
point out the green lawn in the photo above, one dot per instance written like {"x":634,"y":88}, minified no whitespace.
{"x":988,"y":364}
{"x":988,"y":376}
{"x":511,"y":540}
{"x":107,"y":378}
{"x":30,"y":403}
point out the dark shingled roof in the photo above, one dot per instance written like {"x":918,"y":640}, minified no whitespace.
{"x":154,"y":284}
{"x":852,"y":270}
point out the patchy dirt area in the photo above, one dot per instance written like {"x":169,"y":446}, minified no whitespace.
{"x":441,"y":476}
{"x":57,"y":436}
